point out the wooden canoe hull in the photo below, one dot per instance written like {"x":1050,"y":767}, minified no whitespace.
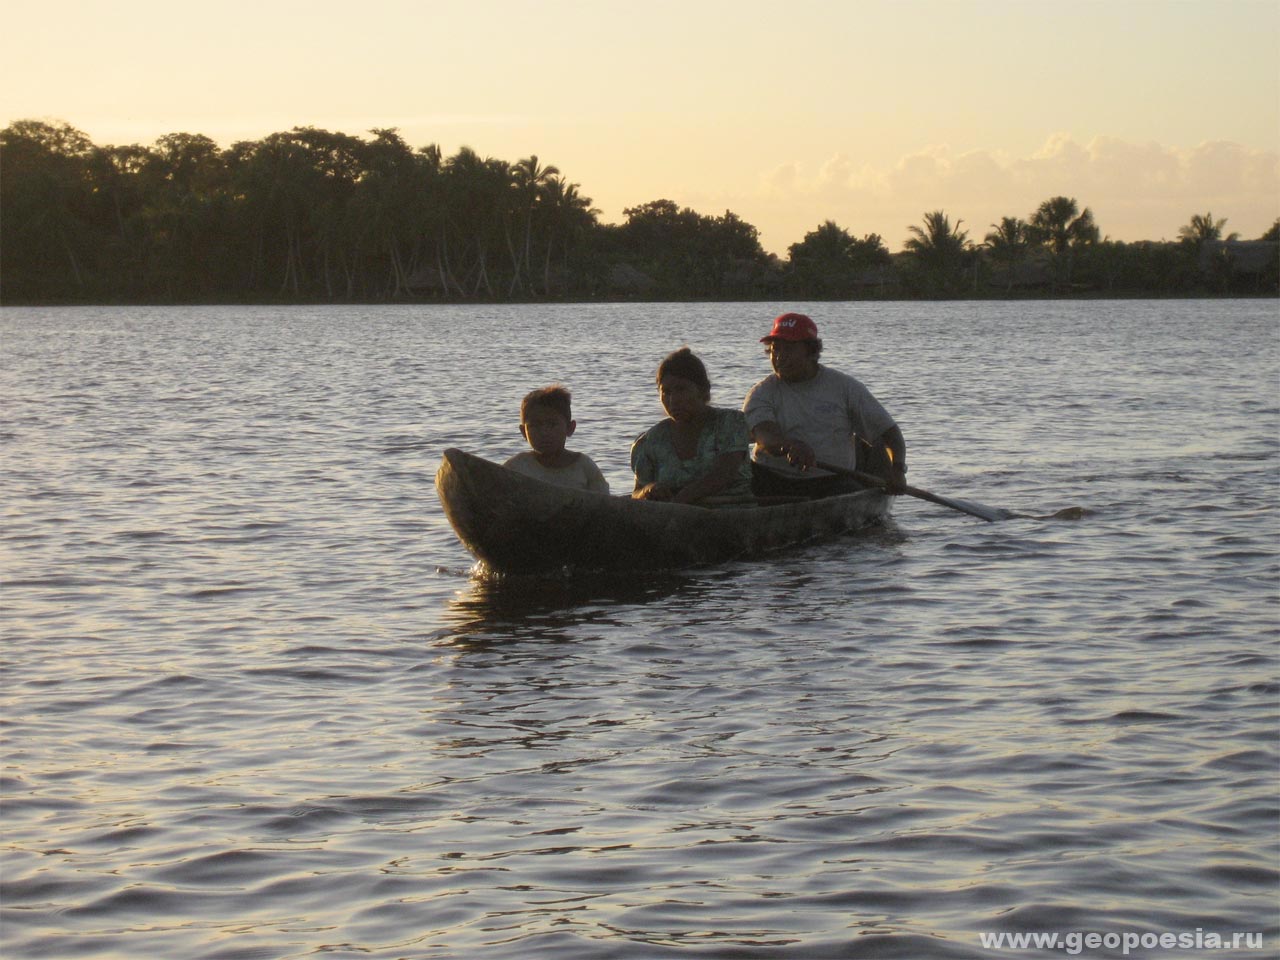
{"x":517,"y":525}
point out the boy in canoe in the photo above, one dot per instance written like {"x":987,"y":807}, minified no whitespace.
{"x":546,"y":421}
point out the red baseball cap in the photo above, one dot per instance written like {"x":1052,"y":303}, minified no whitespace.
{"x":792,"y":326}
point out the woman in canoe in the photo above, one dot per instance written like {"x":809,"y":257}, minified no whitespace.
{"x":699,"y":450}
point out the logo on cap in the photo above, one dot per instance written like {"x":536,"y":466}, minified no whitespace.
{"x":792,"y":326}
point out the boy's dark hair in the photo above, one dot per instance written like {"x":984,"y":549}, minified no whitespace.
{"x":556,"y":398}
{"x":685,"y":363}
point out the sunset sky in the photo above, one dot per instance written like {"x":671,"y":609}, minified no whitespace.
{"x":866,"y":112}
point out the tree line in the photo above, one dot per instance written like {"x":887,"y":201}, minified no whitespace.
{"x":311,"y":215}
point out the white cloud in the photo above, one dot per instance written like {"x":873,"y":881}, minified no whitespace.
{"x":1137,"y":191}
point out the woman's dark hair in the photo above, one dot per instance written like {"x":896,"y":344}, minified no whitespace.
{"x":685,"y":363}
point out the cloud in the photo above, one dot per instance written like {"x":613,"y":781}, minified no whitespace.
{"x":1137,"y":191}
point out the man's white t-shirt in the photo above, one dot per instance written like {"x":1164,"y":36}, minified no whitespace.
{"x":828,"y":412}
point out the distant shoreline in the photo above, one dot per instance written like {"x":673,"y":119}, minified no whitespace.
{"x":311,"y":216}
{"x":426,"y":302}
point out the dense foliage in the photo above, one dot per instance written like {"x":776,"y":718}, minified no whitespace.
{"x":311,"y":215}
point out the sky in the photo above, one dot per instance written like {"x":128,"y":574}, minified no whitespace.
{"x":870,"y":113}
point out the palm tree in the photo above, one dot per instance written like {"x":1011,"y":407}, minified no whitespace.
{"x":479,"y":195}
{"x":1008,"y":244}
{"x":431,"y":214}
{"x":1201,"y":238}
{"x":1060,"y":225}
{"x":939,"y":249}
{"x":530,"y":180}
{"x":569,"y":216}
{"x":274,"y":179}
{"x":1203,"y":228}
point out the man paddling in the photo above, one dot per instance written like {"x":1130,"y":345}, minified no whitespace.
{"x":806,"y":412}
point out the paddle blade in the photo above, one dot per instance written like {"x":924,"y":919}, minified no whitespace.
{"x":990,"y":514}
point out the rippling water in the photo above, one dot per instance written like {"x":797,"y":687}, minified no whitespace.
{"x":255,"y":706}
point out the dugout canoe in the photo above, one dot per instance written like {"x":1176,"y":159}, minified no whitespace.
{"x":515,"y":524}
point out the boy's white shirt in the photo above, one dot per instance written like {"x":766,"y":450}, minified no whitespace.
{"x":582,"y":474}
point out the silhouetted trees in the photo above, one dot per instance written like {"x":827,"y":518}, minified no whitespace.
{"x":313,"y":215}
{"x":832,"y":263}
{"x":51,"y":224}
{"x":683,"y":253}
{"x":302,"y":215}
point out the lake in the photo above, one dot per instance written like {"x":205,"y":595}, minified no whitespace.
{"x":257,"y":705}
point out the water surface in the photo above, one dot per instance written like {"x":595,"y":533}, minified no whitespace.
{"x":256,"y":706}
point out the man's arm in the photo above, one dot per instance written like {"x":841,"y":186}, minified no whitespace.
{"x":770,"y":438}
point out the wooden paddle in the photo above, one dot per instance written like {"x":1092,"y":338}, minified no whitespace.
{"x":990,"y":514}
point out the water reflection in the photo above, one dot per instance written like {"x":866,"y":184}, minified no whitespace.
{"x":502,"y":609}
